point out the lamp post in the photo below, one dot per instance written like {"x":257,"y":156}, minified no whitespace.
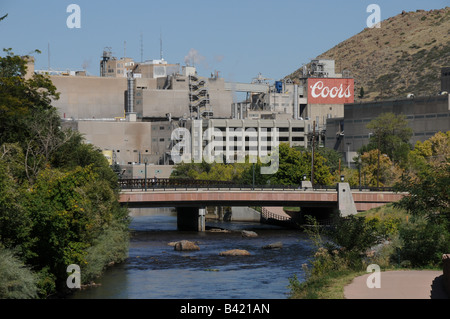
{"x":253,"y":168}
{"x":359,"y":171}
{"x":145,"y":165}
{"x":342,"y":178}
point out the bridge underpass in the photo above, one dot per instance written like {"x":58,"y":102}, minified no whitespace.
{"x":191,"y":203}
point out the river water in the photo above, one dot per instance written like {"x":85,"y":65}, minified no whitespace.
{"x":154,"y":270}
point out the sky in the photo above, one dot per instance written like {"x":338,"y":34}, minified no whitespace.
{"x":237,"y":38}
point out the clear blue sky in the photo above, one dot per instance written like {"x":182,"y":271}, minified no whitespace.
{"x":239,"y":38}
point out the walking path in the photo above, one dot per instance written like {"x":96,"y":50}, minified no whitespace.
{"x":401,"y":284}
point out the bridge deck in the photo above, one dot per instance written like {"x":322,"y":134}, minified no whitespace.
{"x":246,"y":197}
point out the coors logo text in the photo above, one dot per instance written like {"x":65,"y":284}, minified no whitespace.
{"x":330,"y":91}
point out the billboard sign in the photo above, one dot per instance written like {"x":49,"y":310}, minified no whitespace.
{"x":330,"y":90}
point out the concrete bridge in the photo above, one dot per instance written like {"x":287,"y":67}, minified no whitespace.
{"x":191,"y":202}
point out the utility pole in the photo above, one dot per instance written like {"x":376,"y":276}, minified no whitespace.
{"x":312,"y":152}
{"x":378,"y":168}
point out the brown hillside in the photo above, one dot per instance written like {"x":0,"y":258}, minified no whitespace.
{"x":404,"y":56}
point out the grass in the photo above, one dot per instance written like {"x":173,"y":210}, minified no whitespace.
{"x":324,"y":287}
{"x":331,"y":284}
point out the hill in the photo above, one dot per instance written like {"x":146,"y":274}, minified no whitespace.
{"x":404,"y":56}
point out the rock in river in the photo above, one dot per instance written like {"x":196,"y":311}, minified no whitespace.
{"x":276,"y":245}
{"x":248,"y":233}
{"x":185,"y":245}
{"x":235,"y":252}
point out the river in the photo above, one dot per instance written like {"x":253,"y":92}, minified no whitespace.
{"x":154,"y":270}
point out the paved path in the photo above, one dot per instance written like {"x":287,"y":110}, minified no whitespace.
{"x":407,"y":284}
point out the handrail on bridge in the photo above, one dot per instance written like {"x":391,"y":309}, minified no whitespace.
{"x":152,"y":184}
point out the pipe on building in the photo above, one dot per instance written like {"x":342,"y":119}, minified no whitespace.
{"x":295,"y":101}
{"x":130,"y":94}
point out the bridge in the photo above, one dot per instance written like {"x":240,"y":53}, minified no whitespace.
{"x":191,"y":197}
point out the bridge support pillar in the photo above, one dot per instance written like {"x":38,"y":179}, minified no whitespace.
{"x":346,"y":203}
{"x":191,"y":219}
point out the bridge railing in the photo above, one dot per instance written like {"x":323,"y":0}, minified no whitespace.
{"x":153,"y":184}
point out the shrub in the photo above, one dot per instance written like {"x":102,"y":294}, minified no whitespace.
{"x":16,"y":280}
{"x":423,"y":242}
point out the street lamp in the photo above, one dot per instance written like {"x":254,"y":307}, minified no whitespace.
{"x":304,"y":177}
{"x":342,"y":178}
{"x":145,"y":165}
{"x":253,"y":168}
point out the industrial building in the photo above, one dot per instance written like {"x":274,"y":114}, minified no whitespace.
{"x":132,"y":108}
{"x":426,"y":116}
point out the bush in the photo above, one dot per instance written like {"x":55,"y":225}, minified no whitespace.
{"x":16,"y":280}
{"x":110,"y":247}
{"x":423,"y":242}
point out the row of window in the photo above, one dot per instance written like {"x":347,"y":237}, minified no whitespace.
{"x":247,"y":139}
{"x":134,"y":151}
{"x":366,"y":136}
{"x":267,"y":129}
{"x":409,"y":117}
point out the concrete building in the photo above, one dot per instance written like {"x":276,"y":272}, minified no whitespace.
{"x":426,"y":116}
{"x":154,"y":69}
{"x":130,"y":142}
{"x":89,"y":97}
{"x":112,"y":67}
{"x":445,"y":79}
{"x":133,"y":109}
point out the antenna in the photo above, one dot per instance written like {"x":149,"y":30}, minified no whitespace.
{"x":142,"y":48}
{"x":124,"y":49}
{"x":48,"y":55}
{"x":160,"y":45}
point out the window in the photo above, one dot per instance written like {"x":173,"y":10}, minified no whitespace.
{"x":161,"y":127}
{"x":283,"y":129}
{"x":161,"y":139}
{"x":298,"y":138}
{"x":298,"y":129}
{"x":284,"y":139}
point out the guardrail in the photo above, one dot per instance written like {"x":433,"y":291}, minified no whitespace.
{"x":153,"y":184}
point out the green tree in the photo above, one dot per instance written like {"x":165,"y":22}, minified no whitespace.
{"x":429,"y":193}
{"x":361,"y":93}
{"x":430,"y":153}
{"x":378,"y":170}
{"x":58,"y":196}
{"x":21,"y":99}
{"x":294,"y":163}
{"x":391,"y":135}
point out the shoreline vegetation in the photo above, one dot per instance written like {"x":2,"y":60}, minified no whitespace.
{"x":332,"y":267}
{"x":58,"y":195}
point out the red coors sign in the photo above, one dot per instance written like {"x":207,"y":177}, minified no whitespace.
{"x":330,"y":91}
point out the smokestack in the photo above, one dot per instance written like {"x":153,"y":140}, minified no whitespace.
{"x":130,"y":114}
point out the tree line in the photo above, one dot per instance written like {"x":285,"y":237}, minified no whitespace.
{"x":58,"y":196}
